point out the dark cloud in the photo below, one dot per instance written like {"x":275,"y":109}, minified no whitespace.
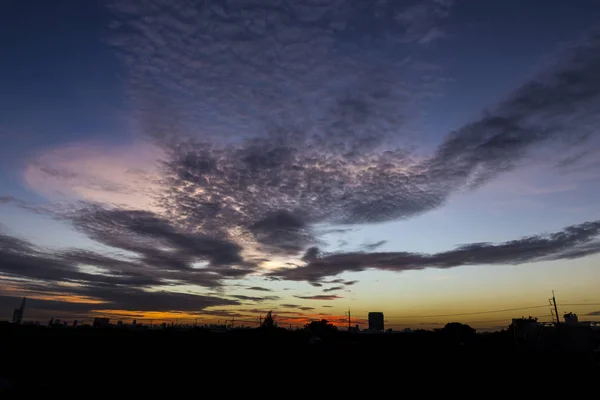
{"x":572,"y":242}
{"x":157,"y":257}
{"x":146,"y":233}
{"x":138,"y":300}
{"x":289,"y":305}
{"x":333,"y":289}
{"x":254,"y":298}
{"x":373,"y":246}
{"x":9,"y":200}
{"x":282,"y":230}
{"x":299,"y":307}
{"x":304,"y":109}
{"x":131,"y":299}
{"x":593,"y":313}
{"x":259,"y":289}
{"x":268,"y":80}
{"x":320,"y":297}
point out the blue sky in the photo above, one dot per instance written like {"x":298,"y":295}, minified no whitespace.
{"x":247,"y":136}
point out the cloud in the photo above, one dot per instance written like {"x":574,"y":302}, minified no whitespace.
{"x":422,"y":21}
{"x":333,"y":289}
{"x":253,"y":298}
{"x":347,"y":283}
{"x":273,"y":186}
{"x":123,"y":176}
{"x":282,"y":230}
{"x":319,"y":297}
{"x":373,"y":246}
{"x":156,"y":240}
{"x":289,"y":305}
{"x":572,"y":242}
{"x":9,"y":200}
{"x":266,"y":131}
{"x":259,"y":289}
{"x":146,"y":256}
{"x":593,"y":313}
{"x":299,"y":307}
{"x":301,"y":116}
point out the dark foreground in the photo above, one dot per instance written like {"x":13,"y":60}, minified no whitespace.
{"x":111,"y":361}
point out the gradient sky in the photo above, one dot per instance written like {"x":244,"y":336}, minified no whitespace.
{"x":217,"y":160}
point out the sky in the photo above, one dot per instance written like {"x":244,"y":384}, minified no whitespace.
{"x":195,"y":160}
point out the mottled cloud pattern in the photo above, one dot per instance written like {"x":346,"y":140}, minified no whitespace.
{"x":279,"y":115}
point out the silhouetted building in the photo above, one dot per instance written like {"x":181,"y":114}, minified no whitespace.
{"x":570,"y":319}
{"x":17,"y":317}
{"x":376,"y":321}
{"x":525,"y":329}
{"x":101,"y":322}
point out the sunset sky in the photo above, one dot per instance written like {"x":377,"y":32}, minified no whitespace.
{"x":435,"y":160}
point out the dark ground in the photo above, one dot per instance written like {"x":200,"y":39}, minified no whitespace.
{"x":250,"y":362}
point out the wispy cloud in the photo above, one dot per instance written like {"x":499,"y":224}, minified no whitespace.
{"x":259,"y":289}
{"x":572,"y":242}
{"x":320,"y":297}
{"x":124,"y":176}
{"x":254,"y":298}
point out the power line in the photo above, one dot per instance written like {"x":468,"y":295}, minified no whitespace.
{"x":469,"y":313}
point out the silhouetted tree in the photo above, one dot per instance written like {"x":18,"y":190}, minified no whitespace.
{"x":269,"y":322}
{"x":458,"y":332}
{"x":321,"y":328}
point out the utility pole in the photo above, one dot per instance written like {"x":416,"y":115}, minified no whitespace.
{"x":551,"y":310}
{"x":232,"y":322}
{"x":555,"y":308}
{"x":349,"y":319}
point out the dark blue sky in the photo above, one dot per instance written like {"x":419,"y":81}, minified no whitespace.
{"x":62,"y":81}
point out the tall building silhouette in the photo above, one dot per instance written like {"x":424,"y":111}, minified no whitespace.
{"x":376,"y":321}
{"x":17,"y":317}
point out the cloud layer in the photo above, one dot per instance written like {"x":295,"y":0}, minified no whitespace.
{"x":572,"y":242}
